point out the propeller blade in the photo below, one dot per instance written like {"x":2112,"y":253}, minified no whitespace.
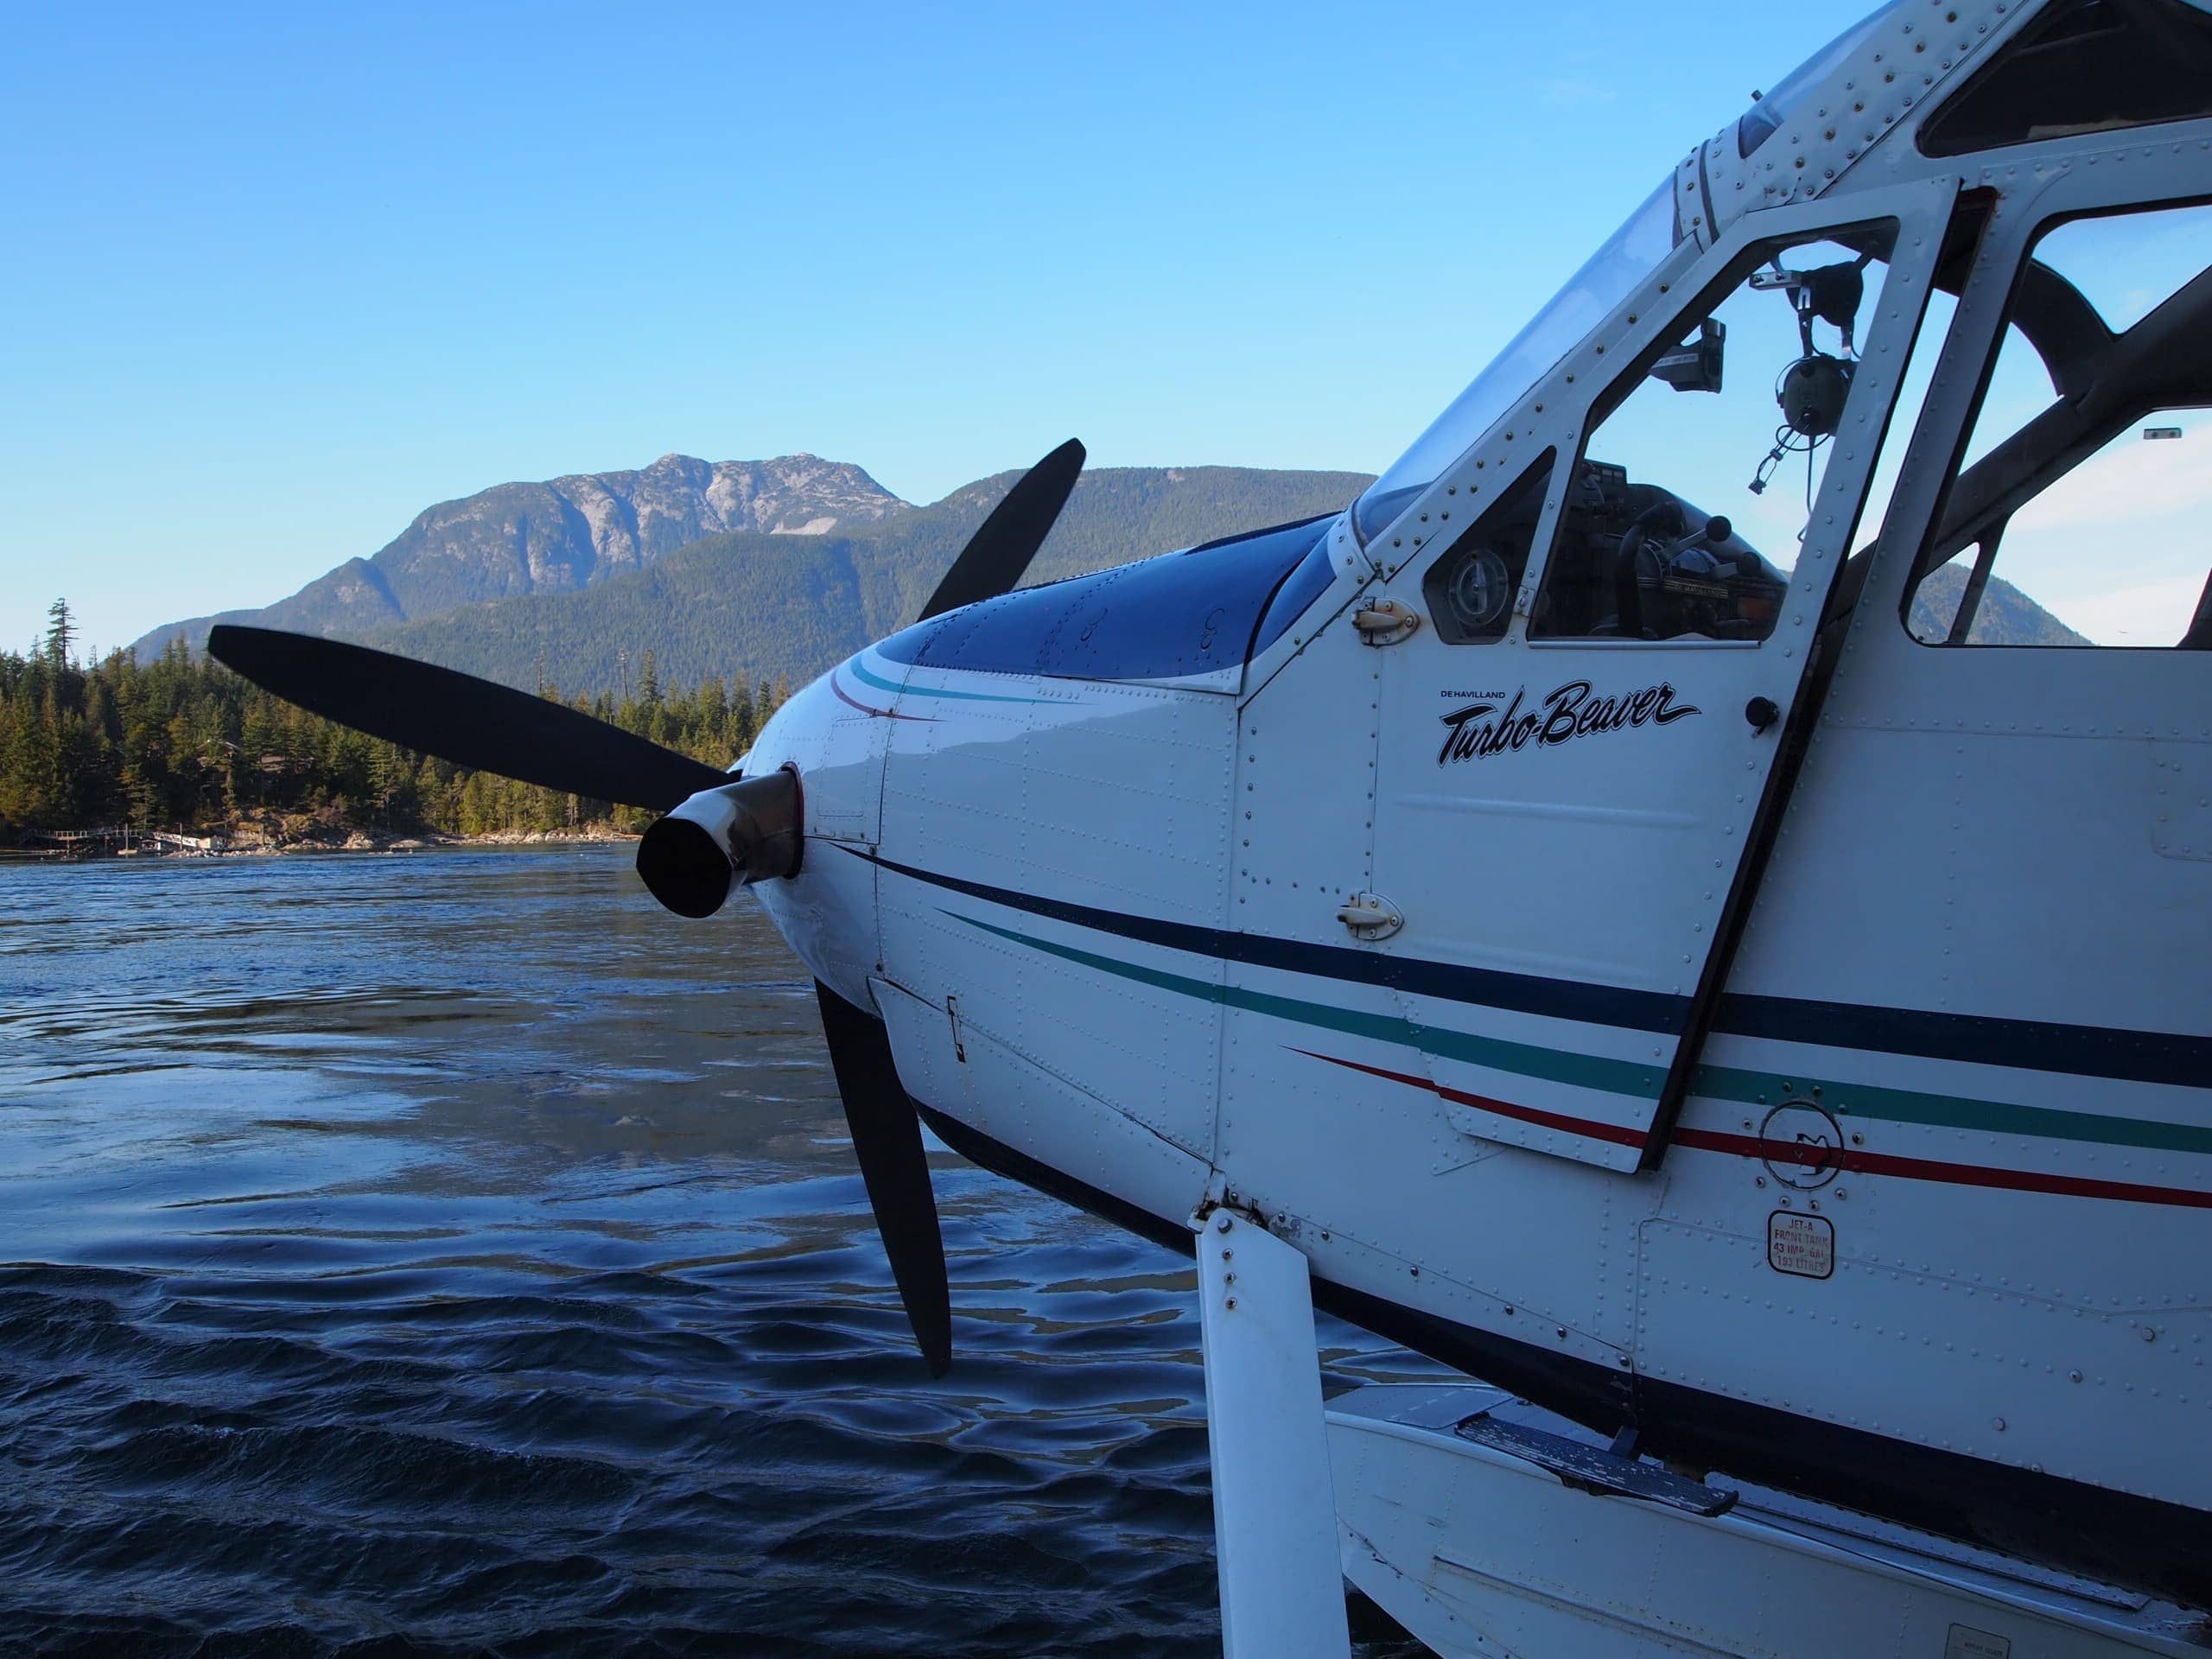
{"x":887,"y":1141}
{"x":459,"y":718}
{"x":1003,"y":543}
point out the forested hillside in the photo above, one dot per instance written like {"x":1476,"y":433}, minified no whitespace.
{"x":2006,"y":616}
{"x":176,"y":741}
{"x":182,"y":743}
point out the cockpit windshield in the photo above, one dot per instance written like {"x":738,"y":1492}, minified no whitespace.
{"x":1628,"y":255}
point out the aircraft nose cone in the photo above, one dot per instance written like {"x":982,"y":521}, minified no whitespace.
{"x":829,"y":736}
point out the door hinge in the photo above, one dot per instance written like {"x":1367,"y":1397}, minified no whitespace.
{"x":1385,"y":622}
{"x":1371,"y":916}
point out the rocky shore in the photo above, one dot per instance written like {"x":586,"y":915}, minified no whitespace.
{"x":362,"y":841}
{"x":252,"y":842}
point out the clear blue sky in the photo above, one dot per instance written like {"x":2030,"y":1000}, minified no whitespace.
{"x":276,"y":280}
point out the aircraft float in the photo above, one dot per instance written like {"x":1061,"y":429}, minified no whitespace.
{"x":1584,"y":935}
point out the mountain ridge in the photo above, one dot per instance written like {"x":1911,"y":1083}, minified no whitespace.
{"x":752,"y":607}
{"x":822,"y":560}
{"x":2006,"y":616}
{"x":559,"y":535}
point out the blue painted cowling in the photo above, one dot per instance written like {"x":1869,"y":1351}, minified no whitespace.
{"x":1196,"y":612}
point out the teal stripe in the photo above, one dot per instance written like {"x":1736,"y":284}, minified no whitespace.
{"x":1949,"y":1111}
{"x":1523,"y":1059}
{"x":882,"y":685}
{"x":1625,"y":1078}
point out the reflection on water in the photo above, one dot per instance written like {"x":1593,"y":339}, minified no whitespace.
{"x":418,"y":1255}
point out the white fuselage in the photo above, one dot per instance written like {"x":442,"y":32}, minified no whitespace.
{"x":1933,"y":1214}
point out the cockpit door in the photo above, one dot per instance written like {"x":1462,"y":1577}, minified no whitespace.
{"x":1577,"y":743}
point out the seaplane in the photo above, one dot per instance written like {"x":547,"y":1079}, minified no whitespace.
{"x":1571,"y":912}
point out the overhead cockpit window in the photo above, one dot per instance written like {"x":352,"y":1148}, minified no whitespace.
{"x":1610,"y":276}
{"x":1766,"y":115}
{"x":2086,"y":66}
{"x":2078,"y":516}
{"x":1682,"y":519}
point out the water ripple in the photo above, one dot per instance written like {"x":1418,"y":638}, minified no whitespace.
{"x":445,"y":1256}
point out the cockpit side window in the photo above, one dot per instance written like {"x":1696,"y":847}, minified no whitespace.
{"x":2079,"y":512}
{"x":2085,"y":66}
{"x":1469,"y":590}
{"x":1683,"y":517}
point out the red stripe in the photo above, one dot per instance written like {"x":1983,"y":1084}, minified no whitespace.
{"x":1590,"y":1128}
{"x":1783,"y":1152}
{"x":883,"y":714}
{"x":1928,"y":1169}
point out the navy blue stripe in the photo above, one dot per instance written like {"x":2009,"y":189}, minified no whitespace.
{"x":1556,"y":999}
{"x":1982,"y":1040}
{"x":2161,"y":1547}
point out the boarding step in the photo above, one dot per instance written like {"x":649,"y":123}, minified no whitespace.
{"x":1614,"y":1469}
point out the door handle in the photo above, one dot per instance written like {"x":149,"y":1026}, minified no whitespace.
{"x":1371,"y":916}
{"x":1385,"y":621}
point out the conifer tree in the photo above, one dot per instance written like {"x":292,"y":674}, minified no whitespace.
{"x":182,"y":740}
{"x":61,"y":633}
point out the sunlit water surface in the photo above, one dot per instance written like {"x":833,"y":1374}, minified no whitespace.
{"x":451,"y":1253}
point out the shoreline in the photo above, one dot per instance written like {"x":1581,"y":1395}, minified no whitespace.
{"x":355,"y":841}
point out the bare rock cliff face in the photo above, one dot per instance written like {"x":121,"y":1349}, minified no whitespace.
{"x":568,"y":533}
{"x":562,"y":536}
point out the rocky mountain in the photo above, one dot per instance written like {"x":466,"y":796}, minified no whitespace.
{"x":754,"y":607}
{"x":2006,"y":616}
{"x":759,"y":569}
{"x":563,"y":535}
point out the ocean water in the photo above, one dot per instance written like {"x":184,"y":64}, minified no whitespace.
{"x":451,"y":1253}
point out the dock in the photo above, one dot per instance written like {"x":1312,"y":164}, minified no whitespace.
{"x":117,"y":838}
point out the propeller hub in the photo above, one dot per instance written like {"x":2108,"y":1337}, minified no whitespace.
{"x":740,"y":833}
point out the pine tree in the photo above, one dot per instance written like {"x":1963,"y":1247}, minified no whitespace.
{"x":185,"y":741}
{"x":61,"y":633}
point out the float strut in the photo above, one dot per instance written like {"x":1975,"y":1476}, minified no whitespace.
{"x":1274,"y":1512}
